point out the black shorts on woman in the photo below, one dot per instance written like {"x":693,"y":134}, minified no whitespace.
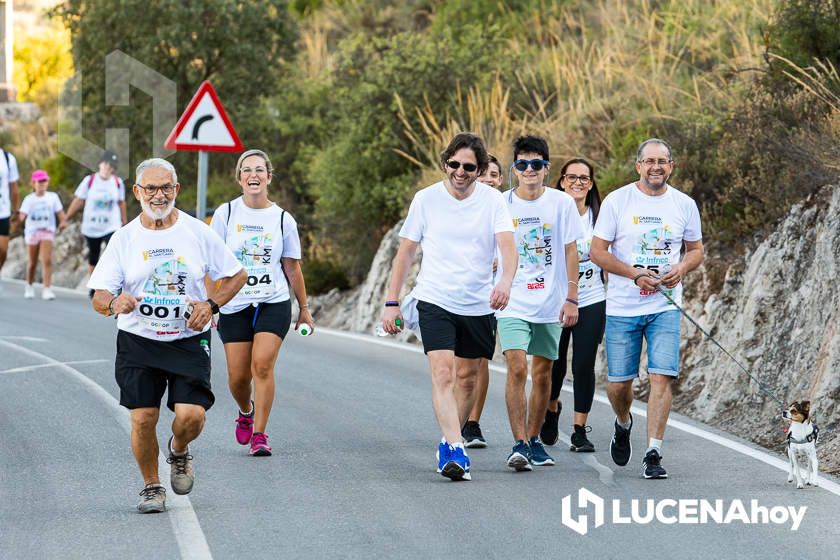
{"x":243,"y":325}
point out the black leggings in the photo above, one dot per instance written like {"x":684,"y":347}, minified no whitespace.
{"x":95,"y":246}
{"x":586,"y":335}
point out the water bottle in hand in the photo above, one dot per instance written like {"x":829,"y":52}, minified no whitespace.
{"x":304,"y":329}
{"x":380,"y":330}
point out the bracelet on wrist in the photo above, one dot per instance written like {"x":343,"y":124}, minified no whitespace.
{"x":304,"y":306}
{"x":639,"y":276}
{"x":570,"y":300}
{"x":111,"y":305}
{"x":573,"y":282}
{"x":392,"y":303}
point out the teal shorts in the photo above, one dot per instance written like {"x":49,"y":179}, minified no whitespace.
{"x":536,"y":339}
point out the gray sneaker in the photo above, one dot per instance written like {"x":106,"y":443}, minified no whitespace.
{"x":152,"y":499}
{"x":181,"y":474}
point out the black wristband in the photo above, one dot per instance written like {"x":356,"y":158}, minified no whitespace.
{"x":392,"y":303}
{"x":639,"y":276}
{"x":214,"y":307}
{"x":111,"y":304}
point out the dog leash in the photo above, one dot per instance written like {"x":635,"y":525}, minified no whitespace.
{"x":761,"y":385}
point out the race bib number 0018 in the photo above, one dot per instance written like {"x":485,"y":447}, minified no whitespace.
{"x":162,"y":313}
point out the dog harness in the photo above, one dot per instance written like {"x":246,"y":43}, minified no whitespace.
{"x":808,"y":439}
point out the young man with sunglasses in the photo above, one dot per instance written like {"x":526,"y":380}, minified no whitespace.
{"x":543,"y":297}
{"x":638,"y":239}
{"x":458,"y":223}
{"x":152,"y":274}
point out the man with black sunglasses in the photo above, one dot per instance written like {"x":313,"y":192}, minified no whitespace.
{"x":543,"y":297}
{"x":459,"y":223}
{"x":152,"y":276}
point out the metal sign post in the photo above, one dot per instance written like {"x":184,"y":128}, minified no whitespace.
{"x":201,"y":195}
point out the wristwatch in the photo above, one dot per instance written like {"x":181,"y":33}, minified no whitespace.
{"x":214,"y":307}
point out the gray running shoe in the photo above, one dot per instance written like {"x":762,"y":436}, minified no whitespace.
{"x":152,"y":499}
{"x":181,"y":474}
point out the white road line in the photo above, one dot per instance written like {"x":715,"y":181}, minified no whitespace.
{"x":24,"y":338}
{"x":762,"y":456}
{"x":188,"y":533}
{"x":43,"y":366}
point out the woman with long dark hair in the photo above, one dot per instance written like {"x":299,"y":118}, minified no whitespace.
{"x":577,"y":179}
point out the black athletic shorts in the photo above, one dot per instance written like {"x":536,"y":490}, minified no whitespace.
{"x":95,"y":247}
{"x":245,"y":323}
{"x":5,"y":223}
{"x":468,"y":336}
{"x":144,"y":369}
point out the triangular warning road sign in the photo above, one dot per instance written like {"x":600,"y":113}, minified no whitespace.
{"x":204,"y":125}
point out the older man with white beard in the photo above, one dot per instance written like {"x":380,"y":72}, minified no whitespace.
{"x":152,"y":276}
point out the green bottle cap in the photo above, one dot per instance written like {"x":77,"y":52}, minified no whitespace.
{"x":398,"y":322}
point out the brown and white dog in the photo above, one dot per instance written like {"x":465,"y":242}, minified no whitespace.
{"x":802,"y":442}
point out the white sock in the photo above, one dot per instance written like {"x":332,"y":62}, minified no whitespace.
{"x":625,"y":425}
{"x":459,"y":444}
{"x":655,"y":444}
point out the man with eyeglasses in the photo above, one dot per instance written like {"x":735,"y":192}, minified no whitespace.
{"x":543,"y":298}
{"x":152,"y":276}
{"x":458,"y":222}
{"x":641,"y":231}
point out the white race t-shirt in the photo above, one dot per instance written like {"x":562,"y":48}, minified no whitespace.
{"x":40,"y":212}
{"x":542,"y":228}
{"x":590,"y":284}
{"x":458,"y":238}
{"x":254,"y":236}
{"x":646,"y":232}
{"x":165,"y":267}
{"x":8,"y":174}
{"x":101,"y":215}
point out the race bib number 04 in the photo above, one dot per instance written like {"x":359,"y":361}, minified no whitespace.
{"x":260,"y":283}
{"x":162,"y":313}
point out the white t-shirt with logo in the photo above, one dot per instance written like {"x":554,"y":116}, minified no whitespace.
{"x":166,"y":268}
{"x":542,"y":228}
{"x":590,"y":284}
{"x":101,"y":215}
{"x":646,"y":232}
{"x":458,"y":238}
{"x":254,"y":235}
{"x":40,"y":212}
{"x":8,"y":174}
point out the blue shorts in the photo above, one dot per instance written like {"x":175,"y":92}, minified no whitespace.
{"x":624,"y":344}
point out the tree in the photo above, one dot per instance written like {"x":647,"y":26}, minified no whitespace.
{"x":241,"y":46}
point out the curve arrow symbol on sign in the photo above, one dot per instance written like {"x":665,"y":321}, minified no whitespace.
{"x":198,"y":124}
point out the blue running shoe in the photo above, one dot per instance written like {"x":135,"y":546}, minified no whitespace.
{"x":539,"y":456}
{"x":520,"y":457}
{"x":442,"y":454}
{"x":458,"y":465}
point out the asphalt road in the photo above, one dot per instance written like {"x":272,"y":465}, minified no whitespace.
{"x":353,"y":471}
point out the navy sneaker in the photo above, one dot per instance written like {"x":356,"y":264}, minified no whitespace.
{"x":443,"y":452}
{"x":651,"y":467}
{"x":539,"y":456}
{"x":473,"y":438}
{"x":620,"y":448}
{"x":520,"y":457}
{"x":549,"y":431}
{"x":580,"y":442}
{"x":458,"y":465}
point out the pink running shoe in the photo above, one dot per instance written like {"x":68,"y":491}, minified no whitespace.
{"x":245,"y":427}
{"x":259,"y":445}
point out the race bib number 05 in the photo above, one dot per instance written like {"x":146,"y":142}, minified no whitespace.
{"x":162,"y":313}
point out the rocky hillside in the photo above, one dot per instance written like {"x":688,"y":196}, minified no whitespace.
{"x":774,"y":306}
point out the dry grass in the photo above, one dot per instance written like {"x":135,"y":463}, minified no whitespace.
{"x":601,"y":69}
